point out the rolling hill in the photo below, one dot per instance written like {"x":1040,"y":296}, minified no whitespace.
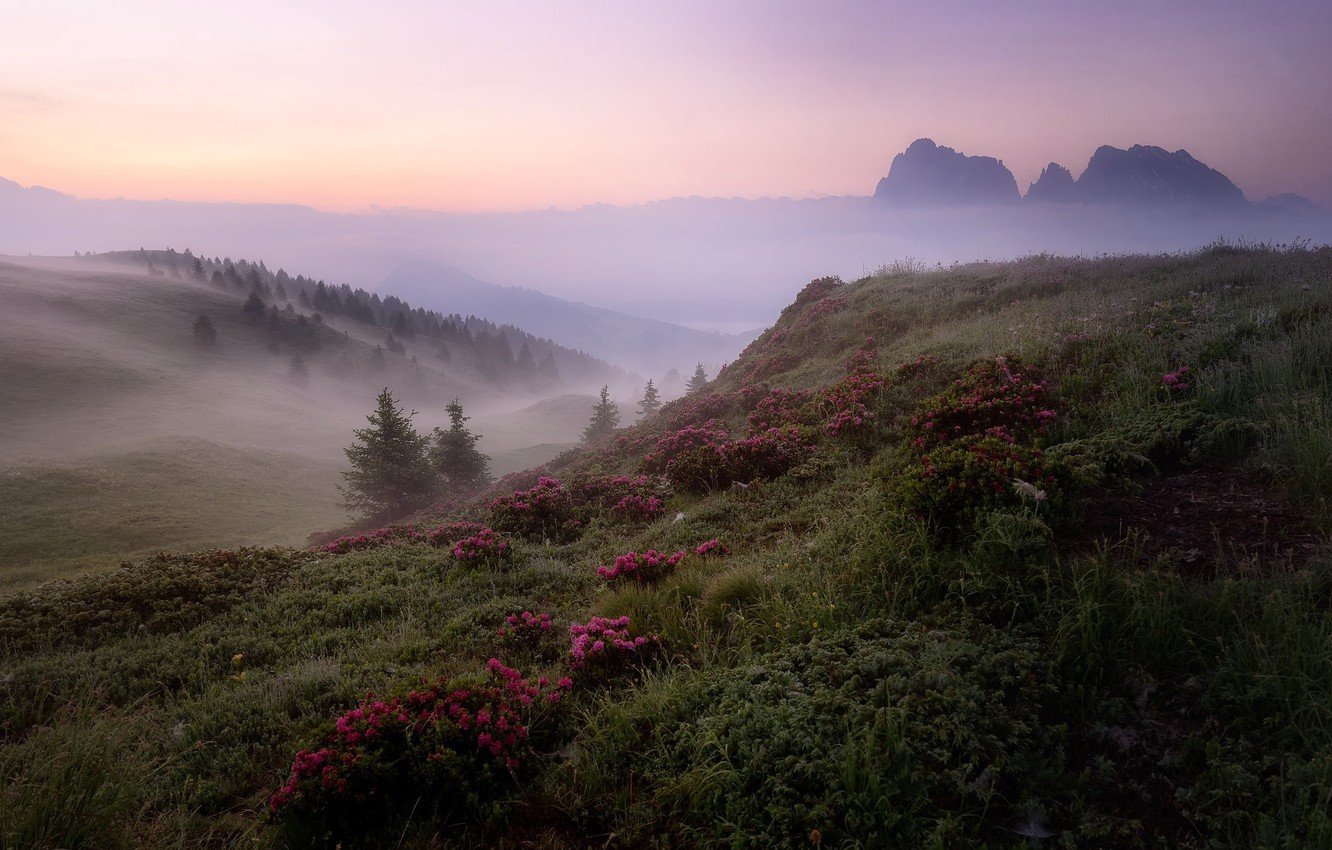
{"x":110,"y":394}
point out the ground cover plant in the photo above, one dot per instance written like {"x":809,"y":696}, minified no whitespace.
{"x":1025,"y":554}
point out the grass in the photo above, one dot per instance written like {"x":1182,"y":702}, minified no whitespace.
{"x":174,"y":495}
{"x":843,"y":678}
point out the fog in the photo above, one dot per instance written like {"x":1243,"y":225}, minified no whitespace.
{"x":715,"y":264}
{"x":100,"y":357}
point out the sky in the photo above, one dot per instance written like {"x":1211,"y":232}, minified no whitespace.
{"x":503,"y":105}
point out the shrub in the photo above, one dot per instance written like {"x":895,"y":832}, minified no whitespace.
{"x":893,"y":736}
{"x":605,"y":645}
{"x":640,"y":498}
{"x":449,"y":747}
{"x":445,"y":536}
{"x":527,"y":634}
{"x":636,"y":508}
{"x":641,"y":566}
{"x":1000,"y":393}
{"x":672,"y":445}
{"x":713,"y":547}
{"x":545,"y":512}
{"x":373,"y":539}
{"x":485,"y":546}
{"x":957,"y":482}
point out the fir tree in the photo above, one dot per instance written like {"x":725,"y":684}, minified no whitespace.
{"x":697,"y":382}
{"x":197,"y":269}
{"x":548,"y":368}
{"x":390,"y":471}
{"x":254,"y":308}
{"x":526,"y":363}
{"x":605,"y":418}
{"x":298,"y":372}
{"x":204,"y":332}
{"x":463,"y":468}
{"x":650,"y":403}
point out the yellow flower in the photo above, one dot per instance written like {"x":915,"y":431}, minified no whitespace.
{"x":237,"y":660}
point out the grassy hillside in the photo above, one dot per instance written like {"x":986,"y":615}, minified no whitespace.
{"x":58,"y":519}
{"x":124,"y":435}
{"x":1042,"y":563}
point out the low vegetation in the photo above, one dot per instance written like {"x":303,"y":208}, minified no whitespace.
{"x":911,"y":572}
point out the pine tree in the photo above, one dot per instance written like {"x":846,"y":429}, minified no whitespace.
{"x":197,"y":269}
{"x":697,"y":382}
{"x":526,"y":363}
{"x":298,"y":372}
{"x":390,"y":472}
{"x":650,"y":403}
{"x":548,"y":368}
{"x":463,"y":468}
{"x":254,"y":308}
{"x":605,"y":418}
{"x":204,"y":332}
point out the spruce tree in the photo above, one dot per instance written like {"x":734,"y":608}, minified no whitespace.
{"x":605,"y":418}
{"x":650,"y":403}
{"x":697,"y":382}
{"x":390,"y":472}
{"x":254,"y":308}
{"x":204,"y":332}
{"x":461,"y":466}
{"x":298,"y":371}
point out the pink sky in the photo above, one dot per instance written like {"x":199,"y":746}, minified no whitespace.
{"x":503,"y":105}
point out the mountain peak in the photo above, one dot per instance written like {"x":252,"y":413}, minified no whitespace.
{"x":1147,"y":174}
{"x":926,"y":174}
{"x":1055,"y":184}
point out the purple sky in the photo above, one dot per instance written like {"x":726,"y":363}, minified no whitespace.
{"x":503,"y":105}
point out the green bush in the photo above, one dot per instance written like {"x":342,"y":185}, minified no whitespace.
{"x":891,"y":736}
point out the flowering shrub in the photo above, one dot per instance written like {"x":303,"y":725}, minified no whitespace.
{"x":762,"y":456}
{"x":456,"y":743}
{"x":605,"y":643}
{"x":485,"y":546}
{"x":445,"y":536}
{"x":373,"y":539}
{"x":675,"y":443}
{"x":779,"y":408}
{"x":845,"y":404}
{"x":712,"y":547}
{"x":998,"y":393}
{"x":641,"y":566}
{"x":957,"y":482}
{"x":817,"y":290}
{"x":545,"y":512}
{"x":526,"y":630}
{"x":636,"y":508}
{"x":699,"y":462}
{"x":693,"y":409}
{"x":918,"y":367}
{"x":1176,"y":381}
{"x":640,"y":498}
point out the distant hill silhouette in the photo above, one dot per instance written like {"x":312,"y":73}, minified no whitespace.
{"x":1290,"y":202}
{"x":636,"y":342}
{"x":926,"y":174}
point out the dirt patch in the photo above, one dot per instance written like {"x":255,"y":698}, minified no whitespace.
{"x":1200,"y":522}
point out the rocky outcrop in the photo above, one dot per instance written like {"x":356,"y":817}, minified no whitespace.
{"x":1145,"y":174}
{"x":1055,"y":184}
{"x":926,"y":174}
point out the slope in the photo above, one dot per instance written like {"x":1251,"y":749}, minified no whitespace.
{"x":901,"y":636}
{"x":105,"y":380}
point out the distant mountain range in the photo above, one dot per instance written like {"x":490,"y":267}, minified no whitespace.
{"x":649,"y":345}
{"x":927,"y":174}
